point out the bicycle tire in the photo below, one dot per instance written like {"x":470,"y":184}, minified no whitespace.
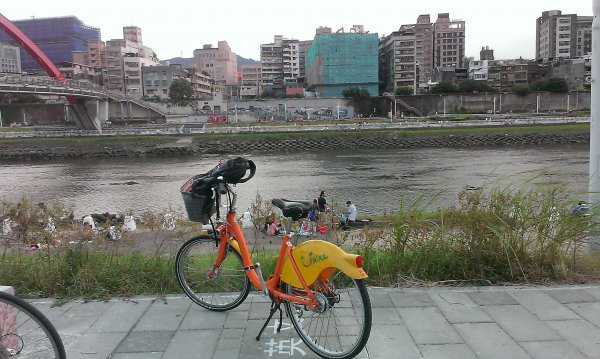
{"x":227,"y":289}
{"x":26,"y":331}
{"x":334,"y":333}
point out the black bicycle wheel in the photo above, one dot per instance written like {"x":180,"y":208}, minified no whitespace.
{"x":25,"y":332}
{"x":218,"y":289}
{"x":341,"y":326}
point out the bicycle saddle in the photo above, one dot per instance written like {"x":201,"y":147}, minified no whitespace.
{"x":293,"y":209}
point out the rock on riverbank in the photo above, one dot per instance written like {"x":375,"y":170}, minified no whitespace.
{"x":32,"y":150}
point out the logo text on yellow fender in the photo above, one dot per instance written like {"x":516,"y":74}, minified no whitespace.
{"x":312,"y":259}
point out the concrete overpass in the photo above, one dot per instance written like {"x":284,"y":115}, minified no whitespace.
{"x":89,"y":104}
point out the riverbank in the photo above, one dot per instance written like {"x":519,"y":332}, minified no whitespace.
{"x":135,"y":146}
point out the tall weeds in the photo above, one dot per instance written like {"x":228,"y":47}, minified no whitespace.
{"x":502,"y":235}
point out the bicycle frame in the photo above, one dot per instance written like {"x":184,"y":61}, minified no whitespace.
{"x":238,"y":242}
{"x":230,"y":234}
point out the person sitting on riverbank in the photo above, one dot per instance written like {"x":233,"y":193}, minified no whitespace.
{"x":350,"y":212}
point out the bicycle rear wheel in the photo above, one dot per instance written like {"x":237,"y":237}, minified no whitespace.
{"x":25,"y":332}
{"x":341,"y":326}
{"x":217,"y":289}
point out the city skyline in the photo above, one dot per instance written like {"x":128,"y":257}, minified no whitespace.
{"x":174,"y":30}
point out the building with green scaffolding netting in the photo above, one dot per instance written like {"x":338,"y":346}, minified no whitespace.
{"x":336,"y":62}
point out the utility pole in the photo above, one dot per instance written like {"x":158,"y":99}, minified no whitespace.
{"x":594,"y":176}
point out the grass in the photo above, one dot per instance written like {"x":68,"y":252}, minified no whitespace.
{"x":455,"y":131}
{"x":17,"y":129}
{"x":87,"y":140}
{"x":491,"y":236}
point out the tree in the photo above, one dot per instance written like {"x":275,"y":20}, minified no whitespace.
{"x":521,"y":90}
{"x":444,"y":87}
{"x":472,"y":86}
{"x":553,"y":84}
{"x":355,"y":93}
{"x":403,"y":91}
{"x":557,"y":85}
{"x":358,"y":98}
{"x":181,"y":92}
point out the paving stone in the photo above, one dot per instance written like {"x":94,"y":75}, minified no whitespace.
{"x":73,"y":325}
{"x":594,"y":291}
{"x":386,"y":316}
{"x":145,"y":341}
{"x":428,"y":326}
{"x":488,"y":340}
{"x":589,"y":311}
{"x":192,"y":344}
{"x":164,"y":315}
{"x":571,"y":295}
{"x":446,"y":351}
{"x":520,"y":324}
{"x":542,"y":305}
{"x":94,"y":345}
{"x":201,"y":318}
{"x":492,"y":297}
{"x":392,"y":342}
{"x":121,"y":316}
{"x":232,"y":333}
{"x":458,"y":307}
{"x":404,"y":299}
{"x":51,"y":309}
{"x":581,"y":333}
{"x":89,"y":309}
{"x":156,"y":355}
{"x":552,"y":350}
{"x":380,"y":300}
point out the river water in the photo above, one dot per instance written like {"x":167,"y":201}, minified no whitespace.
{"x":375,"y":180}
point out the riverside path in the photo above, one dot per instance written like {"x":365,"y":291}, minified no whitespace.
{"x":460,"y":322}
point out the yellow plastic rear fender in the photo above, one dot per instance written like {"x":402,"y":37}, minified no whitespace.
{"x":319,"y":258}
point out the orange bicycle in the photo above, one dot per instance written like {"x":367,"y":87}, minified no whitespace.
{"x":320,"y":285}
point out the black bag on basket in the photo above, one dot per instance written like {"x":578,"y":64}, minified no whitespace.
{"x":234,"y":170}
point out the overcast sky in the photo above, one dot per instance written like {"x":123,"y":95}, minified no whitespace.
{"x":177,"y":27}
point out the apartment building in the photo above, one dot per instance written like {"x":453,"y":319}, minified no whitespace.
{"x":561,"y":36}
{"x":478,"y":70}
{"x":397,"y":60}
{"x":486,"y":53}
{"x":201,"y":83}
{"x":424,"y":47}
{"x":157,"y":80}
{"x":57,"y":37}
{"x":449,"y":42}
{"x":125,"y":59}
{"x":251,"y":81}
{"x":10,"y":58}
{"x":280,"y":62}
{"x":339,"y":61}
{"x":303,"y":47}
{"x":220,"y":63}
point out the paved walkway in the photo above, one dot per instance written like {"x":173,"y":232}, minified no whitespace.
{"x":473,"y":322}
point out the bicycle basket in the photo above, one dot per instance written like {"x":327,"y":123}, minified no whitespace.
{"x":198,"y":200}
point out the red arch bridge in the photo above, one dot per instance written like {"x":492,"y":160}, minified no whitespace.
{"x":90,"y":104}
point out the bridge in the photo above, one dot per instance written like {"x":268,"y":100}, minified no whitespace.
{"x":89,"y":103}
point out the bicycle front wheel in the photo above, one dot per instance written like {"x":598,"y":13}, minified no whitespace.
{"x":25,"y":332}
{"x":341,"y":326}
{"x":217,"y":289}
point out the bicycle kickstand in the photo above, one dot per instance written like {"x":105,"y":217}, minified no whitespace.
{"x":274,"y":307}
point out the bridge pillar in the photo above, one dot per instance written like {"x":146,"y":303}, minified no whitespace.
{"x":96,"y":110}
{"x":103,"y":110}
